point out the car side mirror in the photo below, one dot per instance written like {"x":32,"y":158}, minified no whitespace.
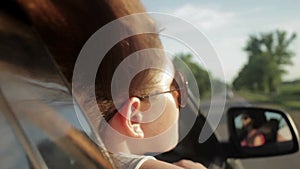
{"x":259,"y":132}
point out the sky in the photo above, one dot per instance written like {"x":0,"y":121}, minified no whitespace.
{"x":228,"y":24}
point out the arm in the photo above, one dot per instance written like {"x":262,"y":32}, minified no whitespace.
{"x":187,"y":164}
{"x":259,"y":140}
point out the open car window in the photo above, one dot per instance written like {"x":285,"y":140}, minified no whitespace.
{"x":11,"y":148}
{"x":39,"y":126}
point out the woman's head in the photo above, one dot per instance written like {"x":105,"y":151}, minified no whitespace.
{"x":141,"y":96}
{"x":253,"y":120}
{"x":133,"y":68}
{"x":144,"y":81}
{"x":246,"y":119}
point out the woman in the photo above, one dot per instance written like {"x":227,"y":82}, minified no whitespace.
{"x":132,"y":124}
{"x":252,"y":136}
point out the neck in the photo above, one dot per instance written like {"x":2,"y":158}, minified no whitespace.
{"x":117,"y":142}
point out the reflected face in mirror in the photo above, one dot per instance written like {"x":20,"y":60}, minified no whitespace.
{"x":258,"y":128}
{"x":246,"y":119}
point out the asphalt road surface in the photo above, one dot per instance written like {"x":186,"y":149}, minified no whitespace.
{"x":291,"y":161}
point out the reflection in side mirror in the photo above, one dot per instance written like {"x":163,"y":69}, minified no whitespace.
{"x":258,"y":129}
{"x":261,"y":132}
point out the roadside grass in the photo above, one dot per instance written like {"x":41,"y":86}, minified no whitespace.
{"x":288,"y":97}
{"x":251,"y":96}
{"x":290,"y":88}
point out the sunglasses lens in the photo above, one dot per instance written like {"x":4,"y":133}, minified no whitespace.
{"x":245,"y":117}
{"x":182,"y":86}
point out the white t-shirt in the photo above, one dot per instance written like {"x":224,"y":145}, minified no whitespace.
{"x":129,"y":161}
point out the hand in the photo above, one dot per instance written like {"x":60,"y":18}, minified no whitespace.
{"x":188,"y":164}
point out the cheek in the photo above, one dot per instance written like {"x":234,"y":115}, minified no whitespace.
{"x":165,"y":121}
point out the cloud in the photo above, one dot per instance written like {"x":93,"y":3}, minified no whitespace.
{"x":204,"y":18}
{"x":229,"y":28}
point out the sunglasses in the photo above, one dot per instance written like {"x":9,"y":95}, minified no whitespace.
{"x":245,"y":117}
{"x":180,"y":84}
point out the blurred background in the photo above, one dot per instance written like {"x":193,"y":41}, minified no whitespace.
{"x":258,"y":46}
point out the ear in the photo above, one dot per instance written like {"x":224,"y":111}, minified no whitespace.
{"x":131,"y":118}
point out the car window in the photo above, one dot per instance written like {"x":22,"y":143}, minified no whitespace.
{"x":43,"y":127}
{"x":11,"y":149}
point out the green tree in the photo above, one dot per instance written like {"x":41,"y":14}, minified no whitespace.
{"x":268,"y":54}
{"x":201,"y":75}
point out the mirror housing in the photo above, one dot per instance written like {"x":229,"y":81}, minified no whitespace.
{"x":260,"y":132}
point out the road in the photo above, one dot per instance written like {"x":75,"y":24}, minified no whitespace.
{"x":278,"y":162}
